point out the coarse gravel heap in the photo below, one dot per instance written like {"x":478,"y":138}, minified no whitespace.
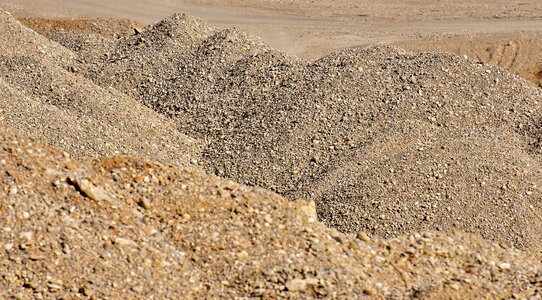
{"x":383,"y":140}
{"x":43,"y":95}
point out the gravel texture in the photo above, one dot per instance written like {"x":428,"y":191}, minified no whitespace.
{"x":61,"y":107}
{"x":397,"y":151}
{"x":383,"y":140}
{"x":83,"y":231}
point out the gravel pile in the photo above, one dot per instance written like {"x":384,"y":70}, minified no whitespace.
{"x":384,"y":141}
{"x":44,"y":95}
{"x":122,"y":228}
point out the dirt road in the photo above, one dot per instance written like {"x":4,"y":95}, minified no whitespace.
{"x":311,"y":29}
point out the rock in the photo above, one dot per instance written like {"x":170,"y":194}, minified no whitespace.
{"x":13,"y":190}
{"x":26,"y":236}
{"x":296,"y":285}
{"x":145,"y":203}
{"x":124,"y":242}
{"x":8,"y":246}
{"x":363,"y":236}
{"x":88,"y":189}
{"x":318,"y":246}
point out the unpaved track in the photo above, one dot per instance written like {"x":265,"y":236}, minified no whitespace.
{"x":312,"y":29}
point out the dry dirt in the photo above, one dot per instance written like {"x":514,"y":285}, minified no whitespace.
{"x":121,"y":228}
{"x":428,"y":163}
{"x":110,"y":28}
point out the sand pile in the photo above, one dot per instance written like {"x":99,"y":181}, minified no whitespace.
{"x":384,"y":141}
{"x":44,"y":95}
{"x":125,"y":228}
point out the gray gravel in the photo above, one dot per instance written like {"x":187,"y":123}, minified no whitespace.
{"x":48,"y":99}
{"x":384,"y":141}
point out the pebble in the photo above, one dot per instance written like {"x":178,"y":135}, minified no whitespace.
{"x":26,"y":236}
{"x":8,"y":246}
{"x":13,"y":190}
{"x":318,"y":246}
{"x":88,"y":188}
{"x":145,"y":203}
{"x":363,"y":236}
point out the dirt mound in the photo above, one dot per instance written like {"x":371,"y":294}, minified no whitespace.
{"x":165,"y":63}
{"x":125,"y":228}
{"x":384,"y":141}
{"x":520,"y":54}
{"x":64,"y":109}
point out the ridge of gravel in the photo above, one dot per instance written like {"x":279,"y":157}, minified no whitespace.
{"x":120,"y":227}
{"x":62,"y":108}
{"x":383,"y":140}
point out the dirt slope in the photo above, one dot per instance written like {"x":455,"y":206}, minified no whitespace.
{"x":72,"y":229}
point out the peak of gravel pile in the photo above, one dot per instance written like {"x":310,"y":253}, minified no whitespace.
{"x":17,"y":39}
{"x":44,"y":94}
{"x":170,"y":61}
{"x":123,"y":228}
{"x":384,"y":141}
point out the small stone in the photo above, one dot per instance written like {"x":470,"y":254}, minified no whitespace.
{"x":54,"y":287}
{"x":124,"y":242}
{"x":19,"y":296}
{"x":26,"y":236}
{"x":88,"y":188}
{"x":85,"y":291}
{"x":318,"y":246}
{"x":185,"y":217}
{"x":26,"y":215}
{"x":8,"y":246}
{"x":243,"y":255}
{"x":66,"y":249}
{"x":296,"y":285}
{"x":145,"y":203}
{"x":13,"y":190}
{"x":368,"y":290}
{"x":138,"y":289}
{"x":363,"y":236}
